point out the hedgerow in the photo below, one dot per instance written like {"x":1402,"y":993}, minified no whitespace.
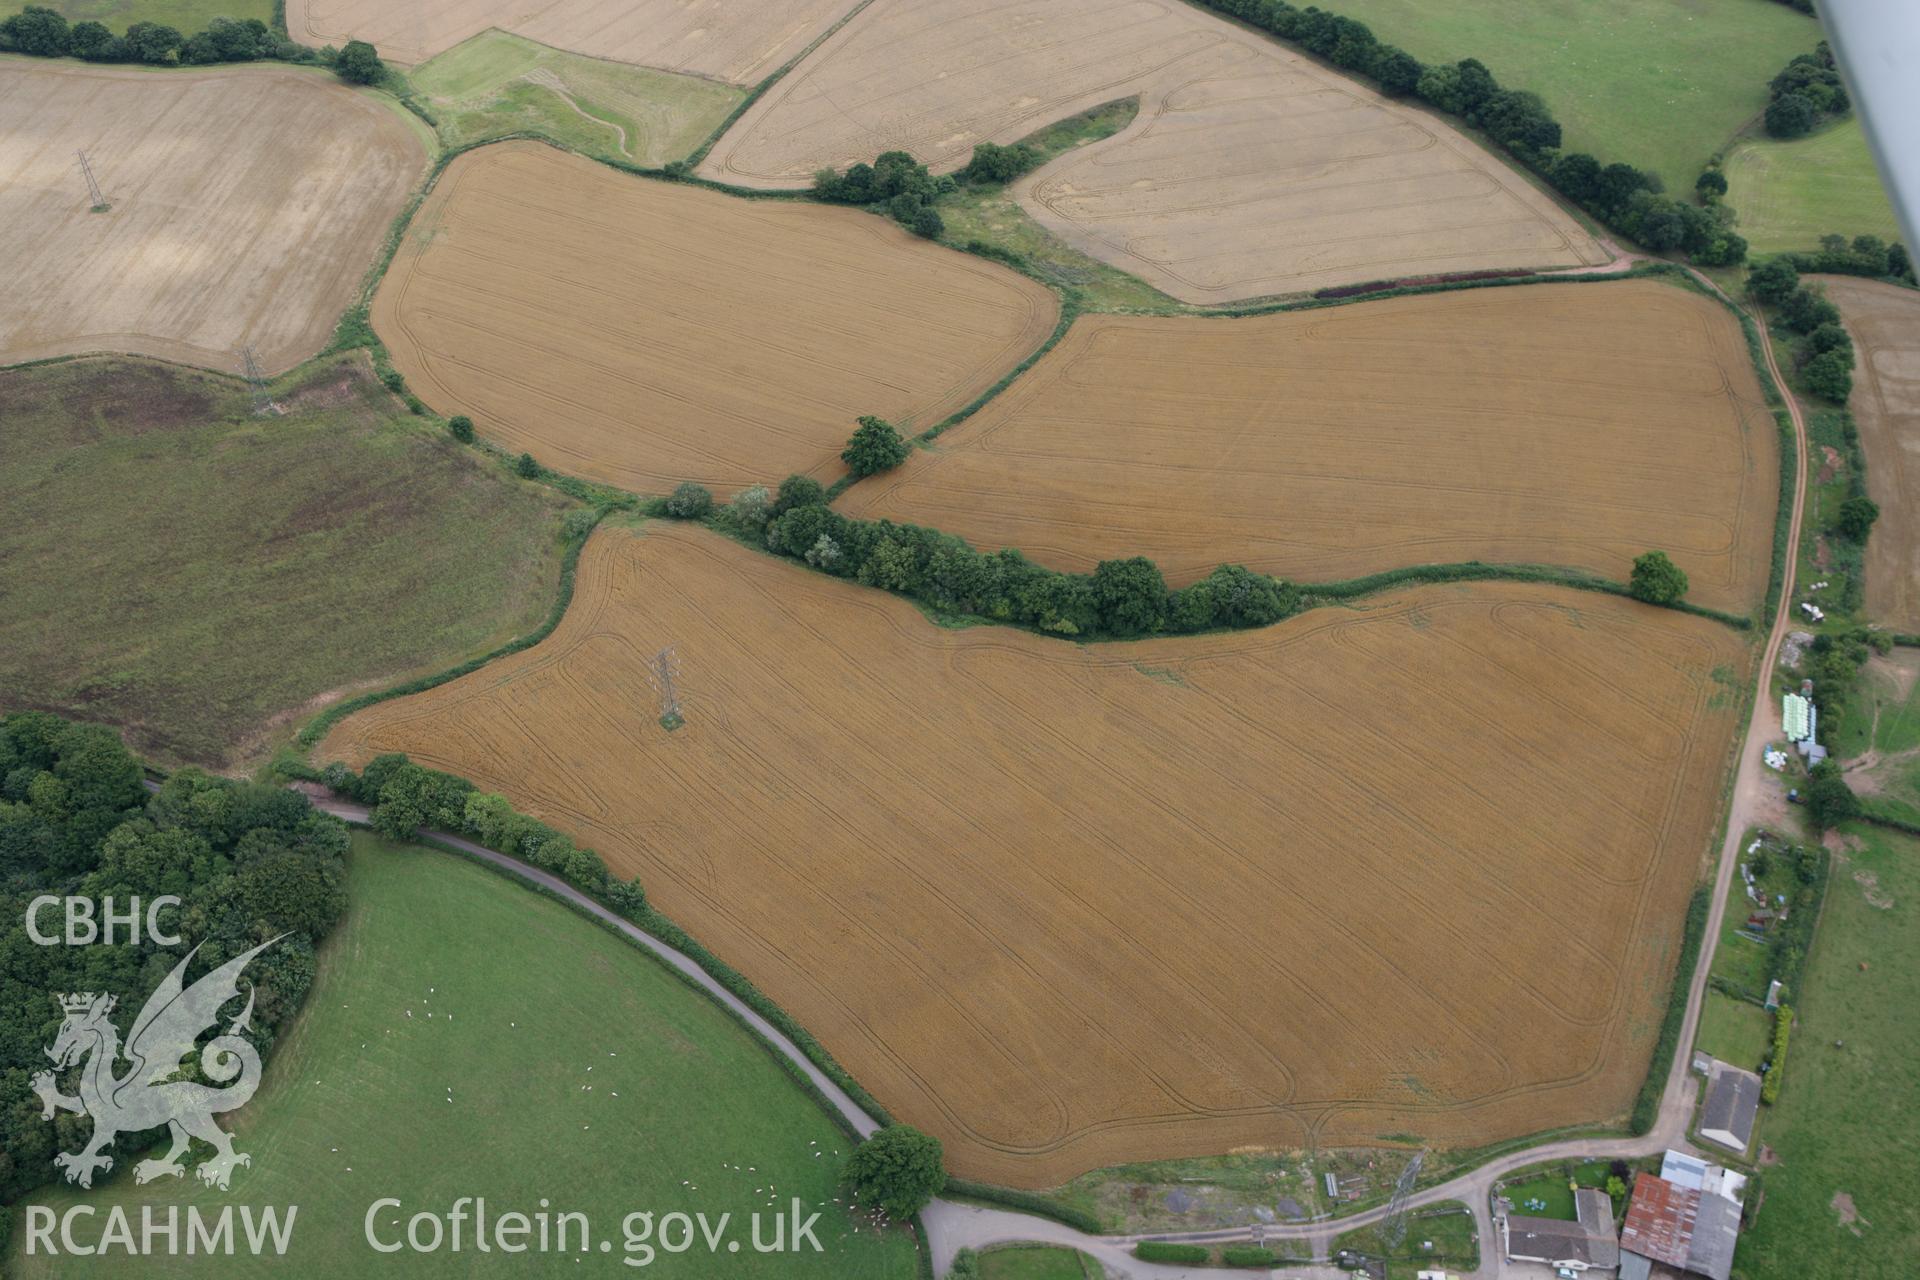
{"x":1168,"y":1251}
{"x":409,"y":801}
{"x":1121,"y":599}
{"x":1646,"y":1107}
{"x":1247,"y":1255}
{"x":1777,"y":1061}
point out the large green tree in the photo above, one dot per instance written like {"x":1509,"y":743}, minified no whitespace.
{"x":359,"y":64}
{"x":1830,"y":801}
{"x":898,"y":1169}
{"x":1857,"y":516}
{"x":1131,"y":595}
{"x":1773,"y":281}
{"x":1657,"y":579}
{"x":875,"y":447}
{"x":36,"y":30}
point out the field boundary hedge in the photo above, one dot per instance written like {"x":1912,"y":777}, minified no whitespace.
{"x":1069,"y":312}
{"x":1646,"y":1105}
{"x":576,"y":533}
{"x":1777,"y":1059}
{"x":639,"y":911}
{"x":1485,"y":571}
{"x":759,"y":90}
{"x":844,"y":532}
{"x":1791,"y":463}
{"x":432,"y":840}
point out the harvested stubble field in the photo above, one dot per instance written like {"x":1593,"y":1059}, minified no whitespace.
{"x":643,"y":333}
{"x":1571,"y":424}
{"x":1249,"y":171}
{"x":740,"y":41}
{"x":1416,"y":866}
{"x":246,"y":204}
{"x":1885,"y":322}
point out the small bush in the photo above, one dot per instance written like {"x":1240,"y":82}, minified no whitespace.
{"x":390,"y":379}
{"x":689,"y":501}
{"x":1247,"y":1255}
{"x":462,"y":428}
{"x":927,"y":223}
{"x":416,"y":406}
{"x":993,"y":163}
{"x":1168,"y":1251}
{"x":525,"y":467}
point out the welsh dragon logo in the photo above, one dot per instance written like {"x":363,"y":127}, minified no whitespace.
{"x":148,"y":1095}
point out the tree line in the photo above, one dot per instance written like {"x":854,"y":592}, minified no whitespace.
{"x":1631,"y":201}
{"x":897,"y":183}
{"x":1868,"y":256}
{"x":1822,"y":355}
{"x":45,"y":33}
{"x":901,"y":187}
{"x":405,"y":798}
{"x":1120,"y":598}
{"x":248,"y":862}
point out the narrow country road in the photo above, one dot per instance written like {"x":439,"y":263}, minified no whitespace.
{"x":951,"y":1225}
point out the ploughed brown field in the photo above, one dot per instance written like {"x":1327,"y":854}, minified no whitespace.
{"x":1414,"y":866}
{"x":643,"y":333}
{"x":1249,"y":171}
{"x":1885,"y":322}
{"x":246,"y":204}
{"x":1570,"y":424}
{"x":741,"y":41}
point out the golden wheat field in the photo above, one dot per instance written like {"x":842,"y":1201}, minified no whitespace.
{"x":643,"y":333}
{"x":1249,"y":171}
{"x":245,"y":205}
{"x":1413,"y":866}
{"x":740,"y":41}
{"x":1570,"y":424}
{"x":1885,"y":322}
